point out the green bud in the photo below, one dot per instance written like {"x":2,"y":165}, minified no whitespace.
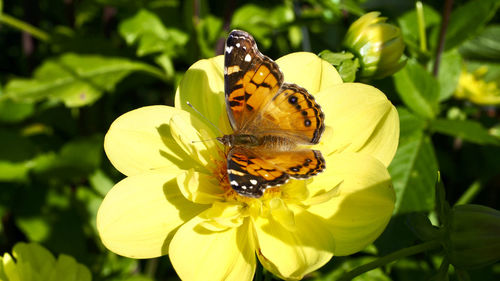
{"x":474,"y":236}
{"x":378,"y":45}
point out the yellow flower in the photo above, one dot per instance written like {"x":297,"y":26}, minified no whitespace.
{"x":378,"y":45}
{"x":473,"y":87}
{"x":176,"y":199}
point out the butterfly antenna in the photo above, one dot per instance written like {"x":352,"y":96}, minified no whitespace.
{"x":199,"y":113}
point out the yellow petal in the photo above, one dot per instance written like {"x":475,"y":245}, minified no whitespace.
{"x":359,"y":118}
{"x":138,"y":217}
{"x":199,"y":188}
{"x":363,"y":205}
{"x":292,"y":254}
{"x":203,"y":87}
{"x":282,"y":214}
{"x":224,"y":215}
{"x":199,"y":254}
{"x":197,"y":142}
{"x":309,"y":71}
{"x":140,"y":141}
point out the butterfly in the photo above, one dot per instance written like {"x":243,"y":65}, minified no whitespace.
{"x":270,"y":120}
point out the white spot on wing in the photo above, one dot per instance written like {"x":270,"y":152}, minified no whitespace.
{"x":229,"y":49}
{"x":237,"y":45}
{"x":233,"y":182}
{"x":254,"y":182}
{"x":244,"y":187}
{"x":248,"y":58}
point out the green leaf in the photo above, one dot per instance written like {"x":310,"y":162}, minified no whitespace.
{"x":262,"y":22}
{"x":76,"y":80}
{"x":101,"y":182}
{"x":413,"y":169}
{"x":76,"y":159}
{"x":147,"y":31}
{"x":418,"y":89}
{"x":208,"y":32}
{"x":411,"y":125}
{"x":14,"y":111}
{"x":485,"y":46}
{"x":67,"y":268}
{"x":35,"y":263}
{"x":466,"y":130}
{"x":345,"y":63}
{"x":449,"y":73}
{"x":467,"y":20}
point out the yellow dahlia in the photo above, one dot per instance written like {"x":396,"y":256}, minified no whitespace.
{"x":176,"y":199}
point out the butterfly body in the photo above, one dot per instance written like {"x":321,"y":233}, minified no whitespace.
{"x":271,"y":120}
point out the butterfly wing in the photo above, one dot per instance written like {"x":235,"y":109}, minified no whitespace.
{"x":293,"y":112}
{"x":298,"y":164}
{"x":251,"y":79}
{"x":251,"y":172}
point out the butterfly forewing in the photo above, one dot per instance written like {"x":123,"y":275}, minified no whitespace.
{"x":251,"y":79}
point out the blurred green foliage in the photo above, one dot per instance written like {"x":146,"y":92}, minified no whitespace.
{"x":69,"y":68}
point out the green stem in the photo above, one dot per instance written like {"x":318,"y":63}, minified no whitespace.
{"x":390,"y":258}
{"x":421,"y":26}
{"x":442,"y":35}
{"x":151,"y":266}
{"x":470,"y":193}
{"x":23,"y":26}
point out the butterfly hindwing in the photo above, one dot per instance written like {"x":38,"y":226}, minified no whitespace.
{"x":298,"y":164}
{"x":249,"y":174}
{"x":251,"y":79}
{"x":294,"y":112}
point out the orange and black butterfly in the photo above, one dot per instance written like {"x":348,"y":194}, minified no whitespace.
{"x":270,"y":119}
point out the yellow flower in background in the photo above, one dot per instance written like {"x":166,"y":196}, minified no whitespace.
{"x":378,"y":45}
{"x":176,"y":199}
{"x":473,"y":87}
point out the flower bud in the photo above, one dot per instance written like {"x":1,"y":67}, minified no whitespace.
{"x":378,"y":45}
{"x":474,"y":236}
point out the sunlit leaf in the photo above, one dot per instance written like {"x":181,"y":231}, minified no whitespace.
{"x":449,"y":72}
{"x":147,"y":31}
{"x":33,"y":262}
{"x":261,"y":21}
{"x":413,"y":169}
{"x":418,"y":89}
{"x":468,"y":19}
{"x":484,"y":46}
{"x":345,"y":63}
{"x":466,"y":130}
{"x":15,"y":111}
{"x":76,"y":80}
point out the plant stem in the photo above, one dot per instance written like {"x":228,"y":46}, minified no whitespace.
{"x":23,"y":26}
{"x":470,"y":193}
{"x":421,"y":26}
{"x":151,"y":266}
{"x":390,"y":258}
{"x":442,"y":35}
